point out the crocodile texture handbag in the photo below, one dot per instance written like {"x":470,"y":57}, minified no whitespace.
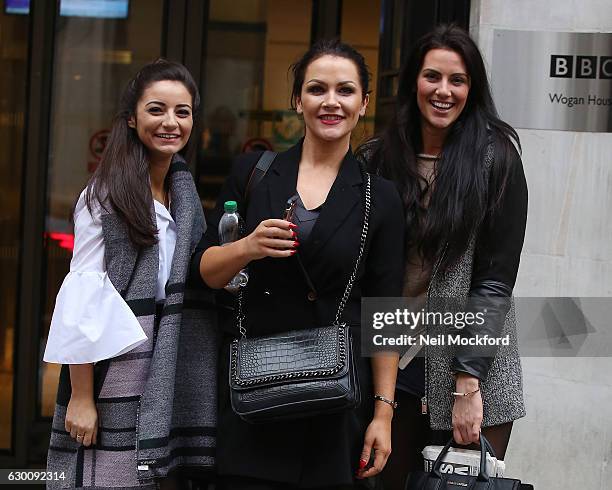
{"x":298,"y":373}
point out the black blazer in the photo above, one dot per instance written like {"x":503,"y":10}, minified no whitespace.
{"x":277,"y":288}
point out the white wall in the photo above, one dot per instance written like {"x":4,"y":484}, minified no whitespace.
{"x":565,"y":442}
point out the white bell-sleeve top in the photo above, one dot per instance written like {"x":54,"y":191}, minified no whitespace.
{"x":91,"y":321}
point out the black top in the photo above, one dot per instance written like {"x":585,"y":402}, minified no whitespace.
{"x":304,"y":218}
{"x":324,"y":450}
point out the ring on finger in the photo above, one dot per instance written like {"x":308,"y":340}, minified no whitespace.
{"x":80,"y":436}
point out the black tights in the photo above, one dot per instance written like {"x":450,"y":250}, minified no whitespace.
{"x":411,"y":433}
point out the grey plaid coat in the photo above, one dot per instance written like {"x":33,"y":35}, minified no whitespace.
{"x":157,"y":403}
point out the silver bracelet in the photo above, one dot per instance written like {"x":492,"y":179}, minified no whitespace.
{"x":455,"y":393}
{"x":381,"y":398}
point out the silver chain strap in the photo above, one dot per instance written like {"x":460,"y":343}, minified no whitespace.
{"x":240,"y":317}
{"x":364,"y":235}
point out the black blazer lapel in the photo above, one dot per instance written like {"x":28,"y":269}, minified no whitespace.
{"x":343,"y":196}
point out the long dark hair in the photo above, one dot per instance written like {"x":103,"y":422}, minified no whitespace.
{"x":122,"y":177}
{"x":323,"y":47}
{"x":460,"y":198}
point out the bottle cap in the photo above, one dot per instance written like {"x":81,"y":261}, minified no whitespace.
{"x":230,"y":206}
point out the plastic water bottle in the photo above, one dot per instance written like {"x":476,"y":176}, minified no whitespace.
{"x":230,"y":230}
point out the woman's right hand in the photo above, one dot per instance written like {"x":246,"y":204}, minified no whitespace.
{"x":82,"y":419}
{"x":272,"y":238}
{"x":467,"y":411}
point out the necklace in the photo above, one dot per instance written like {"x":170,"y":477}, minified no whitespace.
{"x":425,"y":156}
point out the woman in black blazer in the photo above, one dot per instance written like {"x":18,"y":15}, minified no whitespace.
{"x":341,"y":450}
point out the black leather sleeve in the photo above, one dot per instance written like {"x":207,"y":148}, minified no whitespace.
{"x":496,"y":261}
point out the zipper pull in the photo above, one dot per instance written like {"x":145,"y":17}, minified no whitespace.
{"x":424,"y":405}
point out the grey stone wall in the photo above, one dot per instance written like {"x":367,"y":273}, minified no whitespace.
{"x":565,"y":442}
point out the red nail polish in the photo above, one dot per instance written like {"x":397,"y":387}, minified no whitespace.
{"x":296,"y":244}
{"x":362,"y":464}
{"x":293,"y":252}
{"x":293,"y":235}
{"x":292,"y":226}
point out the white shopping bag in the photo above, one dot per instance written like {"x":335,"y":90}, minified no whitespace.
{"x":462,"y":461}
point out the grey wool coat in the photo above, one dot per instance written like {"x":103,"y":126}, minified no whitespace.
{"x":502,"y":390}
{"x":156,"y":403}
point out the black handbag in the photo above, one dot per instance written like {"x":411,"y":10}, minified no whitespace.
{"x":299,"y":373}
{"x":436,"y":480}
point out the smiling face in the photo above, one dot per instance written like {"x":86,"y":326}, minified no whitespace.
{"x":442,"y":90}
{"x":163,"y":119}
{"x":331,"y":99}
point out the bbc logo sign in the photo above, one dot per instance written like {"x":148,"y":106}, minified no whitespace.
{"x":569,"y":66}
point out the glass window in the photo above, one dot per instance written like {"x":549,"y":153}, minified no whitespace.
{"x":395,"y":13}
{"x":360,"y":28}
{"x":13,"y":66}
{"x":95,"y":55}
{"x":250,"y":45}
{"x":396,"y":43}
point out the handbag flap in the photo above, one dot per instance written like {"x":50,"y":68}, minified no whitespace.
{"x":316,"y":353}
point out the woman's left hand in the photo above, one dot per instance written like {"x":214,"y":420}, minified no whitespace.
{"x":467,"y":411}
{"x":377,"y":438}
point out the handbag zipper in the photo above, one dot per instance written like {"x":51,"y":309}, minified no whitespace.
{"x":425,"y":398}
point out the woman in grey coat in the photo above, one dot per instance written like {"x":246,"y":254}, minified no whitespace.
{"x":137,"y":392}
{"x":464,"y":191}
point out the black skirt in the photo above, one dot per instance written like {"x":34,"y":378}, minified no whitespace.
{"x":313,"y":452}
